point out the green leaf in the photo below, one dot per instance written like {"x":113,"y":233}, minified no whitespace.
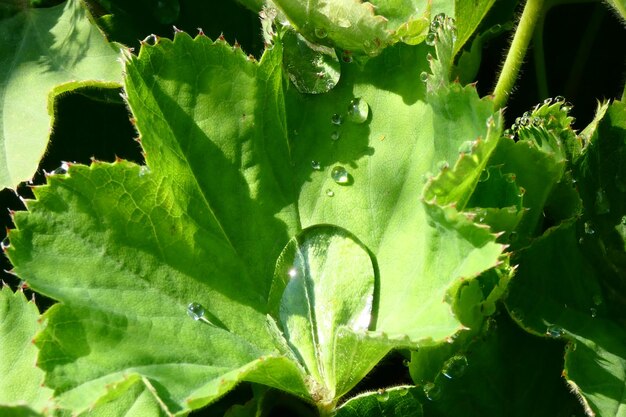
{"x":503,"y":371}
{"x":20,"y":386}
{"x":46,"y":52}
{"x":468,"y":15}
{"x":620,"y":7}
{"x":392,"y":402}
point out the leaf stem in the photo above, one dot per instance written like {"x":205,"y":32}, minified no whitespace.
{"x":531,"y":14}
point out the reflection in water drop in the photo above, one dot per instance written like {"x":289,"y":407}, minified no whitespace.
{"x":358,"y":110}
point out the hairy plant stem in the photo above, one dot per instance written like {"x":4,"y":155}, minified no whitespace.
{"x":523,"y":34}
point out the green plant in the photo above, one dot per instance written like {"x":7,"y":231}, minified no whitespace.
{"x":344,"y":198}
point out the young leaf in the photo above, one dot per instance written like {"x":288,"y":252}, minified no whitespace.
{"x":45,"y":52}
{"x":21,"y":392}
{"x":392,"y":402}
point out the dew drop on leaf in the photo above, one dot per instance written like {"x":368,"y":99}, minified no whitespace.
{"x":316,"y":165}
{"x":5,"y":243}
{"x":547,"y":101}
{"x":358,"y":110}
{"x":424,"y":76}
{"x":555,"y":331}
{"x":336,"y":119}
{"x":61,"y":170}
{"x":144,"y":170}
{"x":593,"y":311}
{"x":455,"y":367}
{"x":406,"y":362}
{"x":195,"y":311}
{"x":320,"y":33}
{"x":330,"y":193}
{"x":346,"y":57}
{"x":589,"y":228}
{"x":431,"y":39}
{"x":602,"y":204}
{"x":559,"y":99}
{"x":335,"y":135}
{"x":432,"y":391}
{"x":340,"y":175}
{"x":383,"y":395}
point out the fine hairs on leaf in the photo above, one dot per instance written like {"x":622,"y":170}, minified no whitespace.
{"x":334,"y":189}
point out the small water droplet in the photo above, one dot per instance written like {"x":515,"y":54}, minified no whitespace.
{"x":340,"y":175}
{"x":589,"y":228}
{"x":490,"y":122}
{"x":320,"y":33}
{"x":431,"y":39}
{"x":330,"y":193}
{"x":335,"y":135}
{"x":510,"y":177}
{"x":466,"y":147}
{"x":555,"y":331}
{"x":196,"y":311}
{"x":61,"y":170}
{"x":602,"y":204}
{"x":144,"y":170}
{"x":432,"y":391}
{"x":358,"y":110}
{"x":383,"y":395}
{"x":316,"y":165}
{"x":547,"y":101}
{"x":455,"y":367}
{"x":424,"y":76}
{"x":336,"y":119}
{"x":442,"y":165}
{"x":5,"y":244}
{"x":594,"y":312}
{"x":484,"y":176}
{"x":597,"y":299}
{"x":559,"y":99}
{"x":406,"y":363}
{"x":346,"y":56}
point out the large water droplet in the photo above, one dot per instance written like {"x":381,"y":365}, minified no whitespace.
{"x":336,"y":119}
{"x":316,"y":165}
{"x":196,"y":311}
{"x":455,"y":367}
{"x":602,"y":204}
{"x":555,"y":331}
{"x":358,"y":110}
{"x":340,"y":175}
{"x":432,"y":391}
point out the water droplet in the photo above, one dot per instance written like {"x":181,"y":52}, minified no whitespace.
{"x":547,"y":101}
{"x":340,"y":175}
{"x":455,"y":367}
{"x":335,"y":135}
{"x":195,"y":311}
{"x":559,"y":99}
{"x":432,"y":391}
{"x":406,"y":362}
{"x":151,"y":40}
{"x":346,"y":57}
{"x":597,"y":299}
{"x":602,"y":204}
{"x":442,"y":165}
{"x":466,"y":147}
{"x":431,"y":39}
{"x":336,"y":119}
{"x":144,"y":170}
{"x":484,"y":176}
{"x":424,"y":76}
{"x":358,"y":110}
{"x":594,"y":312}
{"x":510,"y":177}
{"x":320,"y":33}
{"x":589,"y":228}
{"x":316,"y":165}
{"x":383,"y":395}
{"x":330,"y":193}
{"x":62,"y":170}
{"x":567,"y":107}
{"x":537,"y":121}
{"x":490,"y":122}
{"x":555,"y":331}
{"x":5,"y":243}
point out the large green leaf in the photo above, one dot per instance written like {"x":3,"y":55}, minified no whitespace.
{"x":20,"y":385}
{"x":45,"y":52}
{"x":128,"y":249}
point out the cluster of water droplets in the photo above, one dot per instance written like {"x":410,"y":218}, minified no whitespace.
{"x":357,"y":112}
{"x":439,"y":26}
{"x":530,"y":119}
